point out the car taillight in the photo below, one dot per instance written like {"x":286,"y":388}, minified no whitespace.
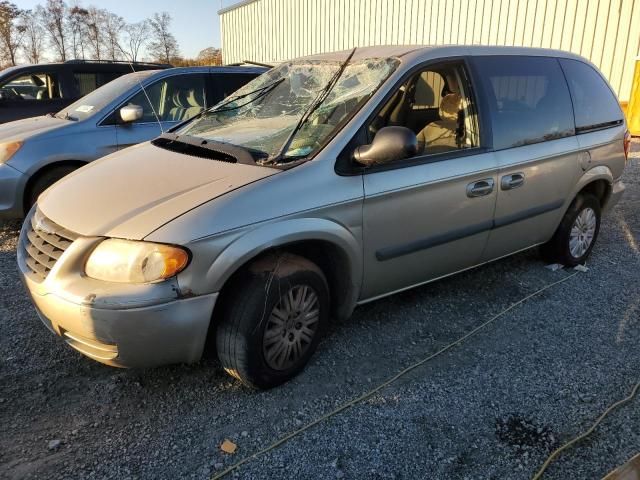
{"x":627,"y":144}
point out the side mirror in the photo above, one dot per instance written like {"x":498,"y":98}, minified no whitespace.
{"x":131,"y":113}
{"x":390,"y":143}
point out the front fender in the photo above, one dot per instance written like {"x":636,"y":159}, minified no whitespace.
{"x":277,"y":234}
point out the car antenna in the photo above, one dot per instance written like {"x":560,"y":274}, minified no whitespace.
{"x":144,"y":90}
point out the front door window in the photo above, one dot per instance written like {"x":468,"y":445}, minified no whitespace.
{"x":437,"y":106}
{"x":174,"y":99}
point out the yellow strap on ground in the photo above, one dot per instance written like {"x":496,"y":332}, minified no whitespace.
{"x":569,"y":444}
{"x":388,"y":382}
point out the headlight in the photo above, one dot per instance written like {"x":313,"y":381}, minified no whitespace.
{"x":125,"y":261}
{"x":7,"y":150}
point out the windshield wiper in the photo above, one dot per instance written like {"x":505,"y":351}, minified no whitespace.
{"x":320,"y":98}
{"x":65,"y":117}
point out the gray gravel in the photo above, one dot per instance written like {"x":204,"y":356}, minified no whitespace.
{"x":493,"y":407}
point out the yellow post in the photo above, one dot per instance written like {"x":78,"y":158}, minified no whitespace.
{"x":633,"y":108}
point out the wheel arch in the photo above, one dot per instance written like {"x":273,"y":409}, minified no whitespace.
{"x":324,"y":242}
{"x":34,"y":176}
{"x":597,"y":181}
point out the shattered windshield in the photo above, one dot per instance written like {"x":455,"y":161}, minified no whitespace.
{"x":261,"y":115}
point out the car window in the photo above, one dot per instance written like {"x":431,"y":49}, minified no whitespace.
{"x":32,"y":86}
{"x":173,"y":99}
{"x":224,"y":84}
{"x":95,"y":101}
{"x":87,"y":82}
{"x":528,"y":99}
{"x":594,"y":103}
{"x":429,"y":86}
{"x":437,"y":106}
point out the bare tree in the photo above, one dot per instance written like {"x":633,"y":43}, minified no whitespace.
{"x":164,"y":46}
{"x":135,"y":36}
{"x":11,"y":32}
{"x":34,"y":35}
{"x":76,"y":24}
{"x":113,"y":26}
{"x":54,"y":16}
{"x":210,"y":56}
{"x":95,"y":20}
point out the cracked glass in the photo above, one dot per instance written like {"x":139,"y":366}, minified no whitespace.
{"x":262,"y":115}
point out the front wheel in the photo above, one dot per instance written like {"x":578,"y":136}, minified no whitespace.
{"x":273,"y":320}
{"x":575,"y":237}
{"x":44,"y":181}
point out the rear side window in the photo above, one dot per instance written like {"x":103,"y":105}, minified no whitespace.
{"x":594,"y":104}
{"x":87,"y":82}
{"x":528,"y":98}
{"x":224,"y":84}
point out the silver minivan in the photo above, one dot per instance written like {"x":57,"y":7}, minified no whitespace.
{"x":329,"y":181}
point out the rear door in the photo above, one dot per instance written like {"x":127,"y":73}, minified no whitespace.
{"x":429,"y":215}
{"x":535,"y":146}
{"x":166,"y":103}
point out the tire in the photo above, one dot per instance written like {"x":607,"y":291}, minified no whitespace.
{"x":559,"y":248}
{"x":44,"y":181}
{"x":255,"y":323}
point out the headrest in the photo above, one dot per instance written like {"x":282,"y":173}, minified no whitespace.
{"x":195,"y":98}
{"x":450,"y":105}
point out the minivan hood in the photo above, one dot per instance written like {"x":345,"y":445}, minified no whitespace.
{"x":131,"y":193}
{"x":21,"y":129}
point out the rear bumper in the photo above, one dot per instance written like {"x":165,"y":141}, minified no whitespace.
{"x":11,"y":188}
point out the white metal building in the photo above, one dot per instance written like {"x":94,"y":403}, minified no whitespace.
{"x":605,"y":31}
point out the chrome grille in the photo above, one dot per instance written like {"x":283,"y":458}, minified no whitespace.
{"x":43,"y":244}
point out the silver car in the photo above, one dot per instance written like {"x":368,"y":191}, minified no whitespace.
{"x":329,"y":181}
{"x":36,"y":152}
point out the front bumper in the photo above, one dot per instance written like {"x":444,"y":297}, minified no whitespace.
{"x":173,"y":332}
{"x":117,"y":324}
{"x":11,"y":187}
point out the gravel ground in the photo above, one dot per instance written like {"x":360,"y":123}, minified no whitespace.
{"x":492,"y":408}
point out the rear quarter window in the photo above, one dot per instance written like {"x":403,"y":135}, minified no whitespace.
{"x":528,"y":99}
{"x":594,"y":104}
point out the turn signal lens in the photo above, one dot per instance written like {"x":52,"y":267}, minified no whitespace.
{"x":8,"y":150}
{"x":125,"y":261}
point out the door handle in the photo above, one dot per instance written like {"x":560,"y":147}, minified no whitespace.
{"x":480,"y":188}
{"x":509,"y":182}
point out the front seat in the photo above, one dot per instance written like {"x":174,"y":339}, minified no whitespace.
{"x":195,"y":102}
{"x":179,"y":100}
{"x":442,"y":135}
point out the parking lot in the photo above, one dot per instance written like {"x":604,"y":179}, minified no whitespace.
{"x":493,"y":407}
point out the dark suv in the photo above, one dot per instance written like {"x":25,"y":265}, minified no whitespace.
{"x":33,"y":90}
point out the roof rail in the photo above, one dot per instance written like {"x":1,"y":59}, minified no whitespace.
{"x":125,"y":62}
{"x":249,"y":62}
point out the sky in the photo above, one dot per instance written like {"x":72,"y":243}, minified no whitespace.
{"x":195,"y":22}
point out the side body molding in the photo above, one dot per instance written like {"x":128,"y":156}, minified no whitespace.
{"x":279,"y":233}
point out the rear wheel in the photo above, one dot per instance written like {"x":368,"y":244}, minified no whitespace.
{"x":273,"y":321}
{"x":573,"y":241}
{"x":44,"y":181}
